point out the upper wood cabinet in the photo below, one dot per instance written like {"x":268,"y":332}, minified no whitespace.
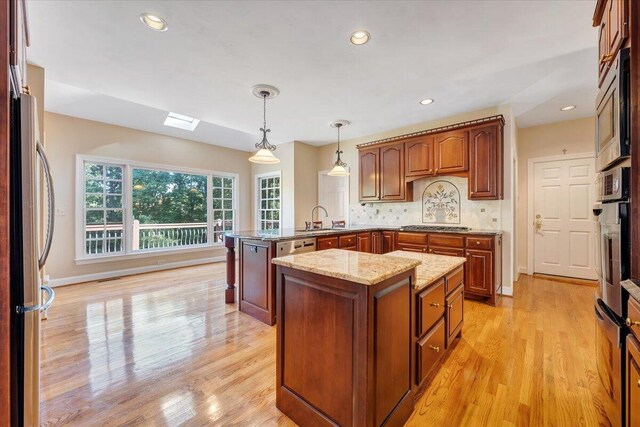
{"x":611,"y":16}
{"x":419,"y":156}
{"x":485,"y":163}
{"x":451,"y":152}
{"x":392,"y":183}
{"x":369,"y":171}
{"x":473,"y":149}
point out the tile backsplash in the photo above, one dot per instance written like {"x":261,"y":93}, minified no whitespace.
{"x":484,"y":215}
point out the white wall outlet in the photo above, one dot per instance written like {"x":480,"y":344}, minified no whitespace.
{"x":60,"y":212}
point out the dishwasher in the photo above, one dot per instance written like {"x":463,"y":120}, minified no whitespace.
{"x":294,"y":247}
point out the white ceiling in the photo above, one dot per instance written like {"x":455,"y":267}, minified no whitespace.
{"x":102,"y":64}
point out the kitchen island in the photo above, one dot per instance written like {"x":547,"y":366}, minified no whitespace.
{"x":359,"y":335}
{"x":344,"y":338}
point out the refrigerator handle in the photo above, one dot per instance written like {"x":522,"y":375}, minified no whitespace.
{"x":52,"y":296}
{"x":51,"y":205}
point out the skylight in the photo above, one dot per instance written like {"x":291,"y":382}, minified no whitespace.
{"x":181,"y":122}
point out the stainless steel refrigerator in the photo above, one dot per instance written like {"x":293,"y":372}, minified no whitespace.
{"x":32,"y":198}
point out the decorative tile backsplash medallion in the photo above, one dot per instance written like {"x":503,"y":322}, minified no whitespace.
{"x":441,"y":203}
{"x":476,"y":214}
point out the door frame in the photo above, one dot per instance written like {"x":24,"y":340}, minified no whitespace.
{"x":530,"y":194}
{"x":347,"y":194}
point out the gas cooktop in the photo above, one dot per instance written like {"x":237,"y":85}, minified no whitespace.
{"x":432,"y":228}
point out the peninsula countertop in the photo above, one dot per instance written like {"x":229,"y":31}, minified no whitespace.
{"x":358,"y":267}
{"x":290,"y":233}
{"x":431,"y":267}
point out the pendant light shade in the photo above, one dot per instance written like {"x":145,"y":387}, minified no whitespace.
{"x":264,"y":155}
{"x":339,"y":167}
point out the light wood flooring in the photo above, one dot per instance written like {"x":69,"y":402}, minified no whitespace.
{"x":163,"y":349}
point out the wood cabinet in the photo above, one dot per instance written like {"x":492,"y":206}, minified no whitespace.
{"x":256,"y":292}
{"x":369,"y":174}
{"x":347,"y":241}
{"x":364,"y":243}
{"x":454,"y":313}
{"x":479,"y":272}
{"x":376,"y":242}
{"x":612,"y":18}
{"x":430,"y":306}
{"x":472,"y":149}
{"x":330,"y":242}
{"x":632,"y":383}
{"x":388,"y":243}
{"x":430,"y":349}
{"x":419,"y":156}
{"x":485,"y":163}
{"x":451,"y":152}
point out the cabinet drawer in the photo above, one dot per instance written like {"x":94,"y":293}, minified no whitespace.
{"x":413,"y":238}
{"x":430,"y":306}
{"x":410,"y":248}
{"x":454,"y":316}
{"x":446,"y":240}
{"x":429,"y":351}
{"x":480,"y":243}
{"x":633,"y":321}
{"x":327,"y":243}
{"x":347,"y":241}
{"x":446,"y":251}
{"x":455,"y":279}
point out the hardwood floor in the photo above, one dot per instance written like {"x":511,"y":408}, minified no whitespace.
{"x":163,"y":349}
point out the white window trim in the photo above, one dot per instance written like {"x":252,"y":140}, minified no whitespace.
{"x":256,"y":194}
{"x":128,"y":165}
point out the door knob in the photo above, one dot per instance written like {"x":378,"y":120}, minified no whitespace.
{"x":538,"y":223}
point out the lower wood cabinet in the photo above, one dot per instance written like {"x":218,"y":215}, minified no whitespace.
{"x":410,"y":248}
{"x":256,"y":291}
{"x":446,"y":251}
{"x":633,"y":382}
{"x":479,"y":272}
{"x":388,"y":241}
{"x":328,"y":243}
{"x":348,"y":242}
{"x":376,"y":242}
{"x":454,"y":313}
{"x":430,"y":306}
{"x":430,"y":349}
{"x":364,"y":242}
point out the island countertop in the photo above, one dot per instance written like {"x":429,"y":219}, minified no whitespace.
{"x":431,"y":267}
{"x":358,"y":267}
{"x":290,"y":233}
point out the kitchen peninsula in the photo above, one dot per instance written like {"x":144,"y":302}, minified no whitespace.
{"x":350,"y":326}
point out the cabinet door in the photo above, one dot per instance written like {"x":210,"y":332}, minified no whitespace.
{"x":454,"y":314}
{"x":603,"y":50}
{"x":485,"y":164}
{"x":429,"y":350}
{"x":617,"y":29}
{"x":479,"y":276}
{"x":376,"y":242}
{"x":257,"y":295}
{"x":452,"y":152}
{"x":369,"y":172}
{"x":419,"y":159}
{"x":364,"y":242}
{"x":633,"y":382}
{"x":388,"y":241}
{"x":392,"y":183}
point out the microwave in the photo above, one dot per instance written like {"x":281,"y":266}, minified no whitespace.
{"x":613,"y":185}
{"x":613,"y":114}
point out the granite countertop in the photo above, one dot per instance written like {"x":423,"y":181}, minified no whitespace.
{"x":633,"y":287}
{"x":358,"y":267}
{"x":290,"y":233}
{"x":432,"y":266}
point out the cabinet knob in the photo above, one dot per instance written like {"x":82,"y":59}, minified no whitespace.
{"x":434,"y":304}
{"x":449,"y":306}
{"x":478,"y":242}
{"x":638,"y":383}
{"x":630,"y":322}
{"x":434,"y":348}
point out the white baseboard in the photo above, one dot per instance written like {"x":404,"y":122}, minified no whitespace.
{"x":63,"y":281}
{"x":522,"y":270}
{"x":507,"y":291}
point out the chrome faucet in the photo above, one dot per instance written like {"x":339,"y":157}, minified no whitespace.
{"x":310,"y":224}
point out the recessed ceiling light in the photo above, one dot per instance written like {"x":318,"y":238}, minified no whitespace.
{"x":181,"y":122}
{"x":568,"y":107}
{"x":360,"y":37}
{"x":154,"y":22}
{"x":426,"y":101}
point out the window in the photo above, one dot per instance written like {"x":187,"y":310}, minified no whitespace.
{"x":129,"y":208}
{"x":269,"y":202}
{"x":103,"y":209}
{"x":222,"y":200}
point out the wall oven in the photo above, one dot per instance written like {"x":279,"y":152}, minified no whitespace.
{"x":613,"y":114}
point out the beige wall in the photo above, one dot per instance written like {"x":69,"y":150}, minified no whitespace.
{"x":67,"y":136}
{"x":575,"y":136}
{"x":306,"y":177}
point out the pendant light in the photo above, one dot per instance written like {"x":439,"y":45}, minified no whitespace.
{"x":264,"y":155}
{"x":339,"y":167}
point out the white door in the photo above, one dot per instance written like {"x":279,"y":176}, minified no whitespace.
{"x":563,"y":222}
{"x":333,"y":194}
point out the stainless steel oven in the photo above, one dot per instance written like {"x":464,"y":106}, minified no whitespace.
{"x":613,"y":114}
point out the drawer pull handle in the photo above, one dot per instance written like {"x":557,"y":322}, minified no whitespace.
{"x":630,"y":322}
{"x":450,"y":306}
{"x":434,"y":304}
{"x":638,"y":383}
{"x":434,"y":348}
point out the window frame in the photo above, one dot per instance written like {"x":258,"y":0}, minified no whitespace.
{"x":127,"y":202}
{"x":256,"y":196}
